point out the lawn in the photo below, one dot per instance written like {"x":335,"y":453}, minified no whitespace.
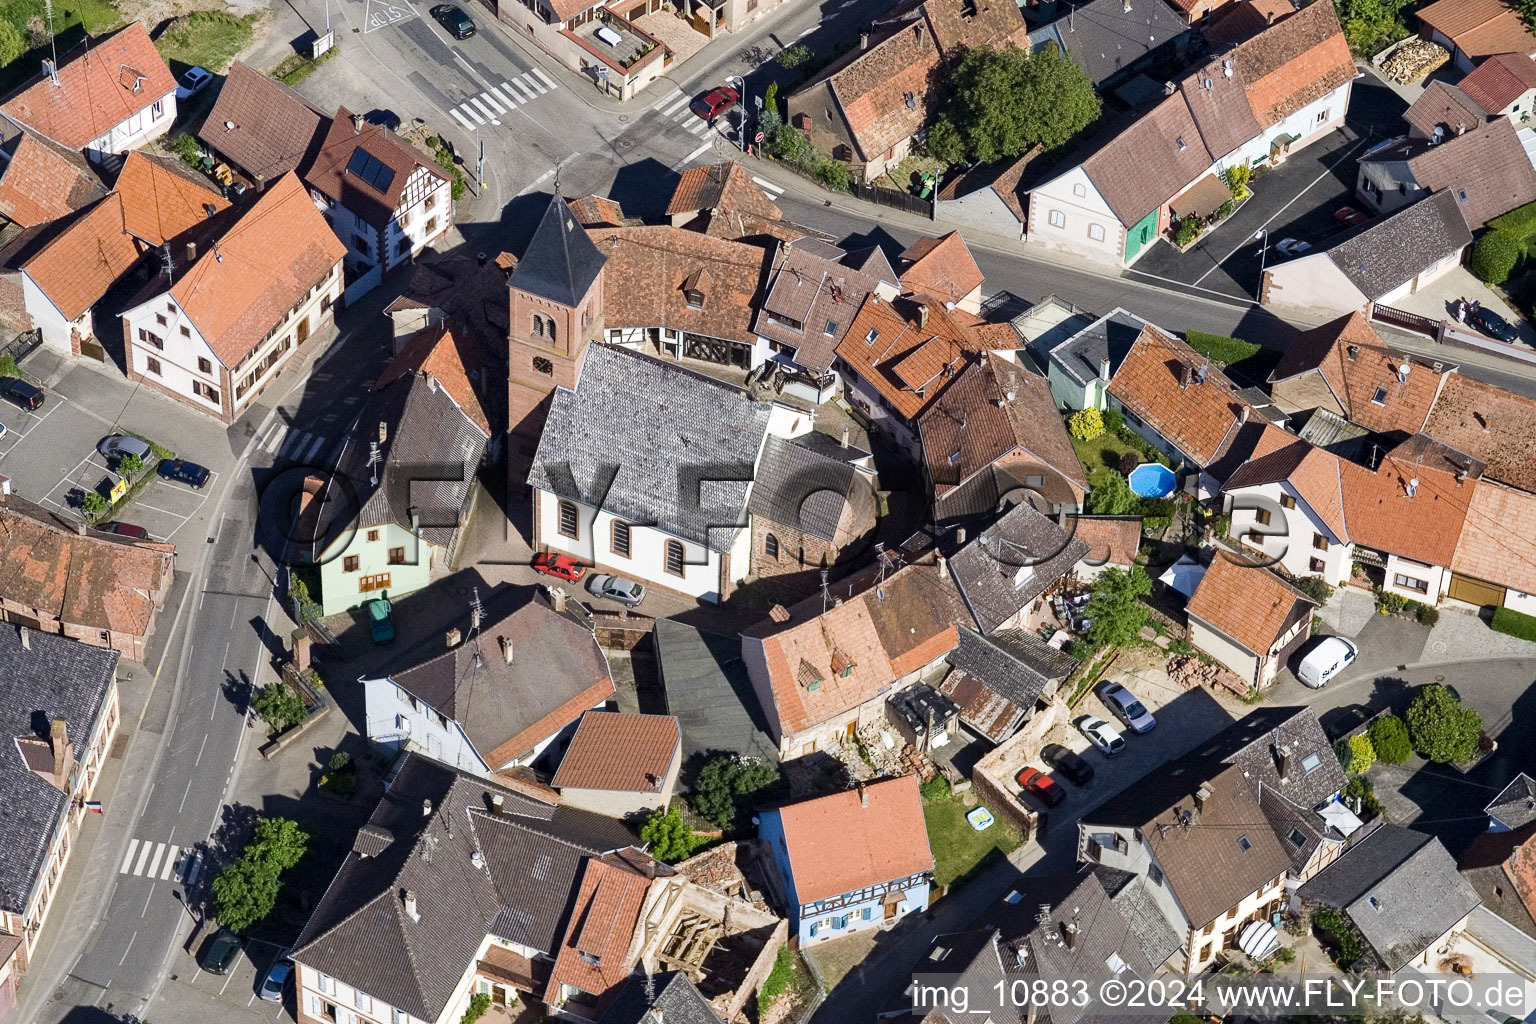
{"x":72,"y":19}
{"x":209,"y":39}
{"x":959,"y":850}
{"x":1102,"y":452}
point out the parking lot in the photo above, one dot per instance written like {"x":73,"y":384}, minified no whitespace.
{"x":193,"y":994}
{"x":161,"y":506}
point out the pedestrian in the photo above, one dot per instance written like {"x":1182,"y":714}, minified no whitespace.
{"x":1461,"y":311}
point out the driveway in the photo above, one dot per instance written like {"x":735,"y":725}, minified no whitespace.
{"x":193,"y":994}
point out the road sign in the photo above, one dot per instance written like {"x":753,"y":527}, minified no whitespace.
{"x":759,"y":136}
{"x":759,"y":101}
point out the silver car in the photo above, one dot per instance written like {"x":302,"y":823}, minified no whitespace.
{"x":1122,"y":703}
{"x":616,"y":588}
{"x":115,"y":446}
{"x":1101,"y":734}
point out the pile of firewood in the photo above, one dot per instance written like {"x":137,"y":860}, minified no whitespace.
{"x":1413,"y":60}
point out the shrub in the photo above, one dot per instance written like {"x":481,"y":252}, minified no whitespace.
{"x":1390,"y":738}
{"x":936,"y":788}
{"x":1519,"y":222}
{"x":1357,"y":754}
{"x":1316,"y":588}
{"x":339,"y":761}
{"x":1157,"y":513}
{"x":186,"y":147}
{"x":280,"y":706}
{"x":1390,"y":603}
{"x":1427,"y":614}
{"x":729,"y":786}
{"x":93,"y":503}
{"x":1187,"y":231}
{"x":669,"y":837}
{"x":1236,"y":178}
{"x":12,"y":45}
{"x":1110,"y":494}
{"x":1222,"y":350}
{"x":130,"y":465}
{"x":1128,"y":463}
{"x":1494,"y":257}
{"x":1114,"y":422}
{"x":792,"y":57}
{"x":1223,"y":211}
{"x":1347,"y":944}
{"x":771,"y":99}
{"x":1360,"y":788}
{"x":1086,"y":424}
{"x":479,"y":1003}
{"x":1513,"y":623}
{"x":1442,"y":728}
{"x":944,"y":142}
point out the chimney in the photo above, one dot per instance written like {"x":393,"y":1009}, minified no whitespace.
{"x":191,"y":252}
{"x":863,"y":795}
{"x":453,"y":637}
{"x":557,"y":598}
{"x":1283,"y":762}
{"x":1269,"y":18}
{"x":5,"y":488}
{"x":845,"y":445}
{"x":426,"y":807}
{"x":383,"y":431}
{"x":778,"y":613}
{"x":922,"y":317}
{"x":1104,"y":369}
{"x":357,"y":124}
{"x":480,"y":259}
{"x":474,"y":616}
{"x":1202,"y":796}
{"x":1069,"y":929}
{"x":960,"y":535}
{"x":1242,"y":414}
{"x":943,"y":567}
{"x":1461,"y":475}
{"x":410,"y":906}
{"x":1127,"y":6}
{"x":497,"y":800}
{"x":58,"y":739}
{"x":26,"y":637}
{"x":1186,"y":374}
{"x":863,"y":45}
{"x":506,"y":649}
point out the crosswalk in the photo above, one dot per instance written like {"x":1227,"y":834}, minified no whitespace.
{"x":162,"y":862}
{"x":499,"y":100}
{"x":773,"y":191}
{"x":675,"y":107}
{"x":298,"y":445}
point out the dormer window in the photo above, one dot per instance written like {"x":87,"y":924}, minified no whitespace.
{"x":869,"y":339}
{"x":695,"y":299}
{"x":842,"y":664}
{"x":695,"y":288}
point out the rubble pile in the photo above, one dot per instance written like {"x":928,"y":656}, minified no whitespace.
{"x":1191,"y":673}
{"x":1413,"y":60}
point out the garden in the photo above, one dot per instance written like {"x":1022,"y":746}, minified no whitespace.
{"x":1188,"y":230}
{"x":24,"y":32}
{"x":959,"y":851}
{"x":209,"y":39}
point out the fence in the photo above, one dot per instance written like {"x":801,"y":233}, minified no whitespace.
{"x":1449,"y":334}
{"x":1405,"y":320}
{"x":21,"y":346}
{"x":893,"y":199}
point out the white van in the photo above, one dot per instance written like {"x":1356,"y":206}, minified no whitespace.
{"x":1325,"y":661}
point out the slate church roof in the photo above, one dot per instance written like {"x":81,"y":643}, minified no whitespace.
{"x":560,"y":262}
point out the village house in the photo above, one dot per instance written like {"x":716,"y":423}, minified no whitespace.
{"x":57,"y":576}
{"x":1474,"y":29}
{"x":41,"y":182}
{"x":262,"y":128}
{"x":1010,"y":567}
{"x":1498,"y":862}
{"x":59,"y":707}
{"x":944,"y":269}
{"x":824,"y":669}
{"x":238,"y":305}
{"x":382,"y":197}
{"x":1265,"y":98}
{"x":495,"y":691}
{"x":373,"y":529}
{"x":1380,"y":884}
{"x":112,"y":98}
{"x":1114,"y":542}
{"x":812,"y":506}
{"x":1248,"y":618}
{"x":1108,"y":42}
{"x":620,"y":63}
{"x":1079,"y":364}
{"x":998,"y":682}
{"x":1503,"y":85}
{"x":853,"y":860}
{"x":720,"y":200}
{"x":1487,"y":169}
{"x":621,"y":765}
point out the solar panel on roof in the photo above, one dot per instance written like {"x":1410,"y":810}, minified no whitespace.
{"x":367,"y":167}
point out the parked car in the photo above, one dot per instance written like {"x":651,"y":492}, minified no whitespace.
{"x":221,"y":952}
{"x":114,"y":447}
{"x":1041,"y":785}
{"x":616,"y":588}
{"x":193,"y":81}
{"x":182,"y":471}
{"x":1350,"y":215}
{"x":26,"y":395}
{"x":1122,"y":703}
{"x":125,"y":530}
{"x":1101,"y":734}
{"x":276,"y":980}
{"x":1493,"y":325}
{"x":564,"y":567}
{"x":3,"y":431}
{"x":1325,"y":661}
{"x":716,"y":102}
{"x":1068,"y":763}
{"x":458,"y":24}
{"x":380,"y":623}
{"x":1342,"y":721}
{"x":1292,"y":247}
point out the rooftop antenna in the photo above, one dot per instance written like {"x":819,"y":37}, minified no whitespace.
{"x":168,"y":266}
{"x":374,"y":458}
{"x":53,"y":65}
{"x":826,"y":592}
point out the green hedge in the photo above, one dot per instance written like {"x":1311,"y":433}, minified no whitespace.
{"x":1520,"y":222}
{"x":1515,"y":624}
{"x":1495,"y":257}
{"x":1220,"y":348}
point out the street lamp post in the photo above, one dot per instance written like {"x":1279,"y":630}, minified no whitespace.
{"x":741,"y":93}
{"x":1262,"y":237}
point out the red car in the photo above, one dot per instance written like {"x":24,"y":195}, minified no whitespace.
{"x":716,"y":102}
{"x":564,"y":567}
{"x":1349,"y":215}
{"x":1041,"y":785}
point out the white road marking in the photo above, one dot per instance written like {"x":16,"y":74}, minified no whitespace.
{"x":508,"y":94}
{"x":201,"y":747}
{"x":274,"y":440}
{"x":186,"y":792}
{"x":533,"y":83}
{"x":462,"y":119}
{"x":128,"y":860}
{"x":295,"y":442}
{"x":128,"y":947}
{"x":522,"y":90}
{"x":491,"y":98}
{"x":490,"y":115}
{"x":467,"y":66}
{"x":170,"y":864}
{"x":154,"y":862}
{"x":672,"y":105}
{"x":466,"y":108}
{"x":678,"y":117}
{"x":699,"y":128}
{"x":138,"y":868}
{"x":691,"y":157}
{"x":535,"y":182}
{"x":312,"y":449}
{"x":547,"y":80}
{"x":767,"y":186}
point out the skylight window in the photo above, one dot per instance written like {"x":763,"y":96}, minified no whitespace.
{"x":1298,"y":838}
{"x":1311,"y":763}
{"x":1380,"y":397}
{"x":1243,"y":842}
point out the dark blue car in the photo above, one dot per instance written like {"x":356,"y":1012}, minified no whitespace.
{"x":181,"y":470}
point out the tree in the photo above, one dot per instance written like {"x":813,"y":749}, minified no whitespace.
{"x":669,"y":837}
{"x":130,"y":465}
{"x":1494,"y":257}
{"x":1390,"y":738}
{"x":729,"y":786}
{"x":944,"y":141}
{"x":478,"y":1004}
{"x":792,"y":57}
{"x":1441,"y":727}
{"x":1086,"y":424}
{"x":11,"y":43}
{"x":1316,"y":588}
{"x":1006,"y":100}
{"x":93,"y":504}
{"x":771,"y":97}
{"x":1116,"y":613}
{"x":1112,"y":495}
{"x":1356,"y":754}
{"x":245,"y":892}
{"x":280,"y":706}
{"x":1236,"y":178}
{"x":1527,"y":11}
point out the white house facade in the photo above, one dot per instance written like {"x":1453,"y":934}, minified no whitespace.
{"x":1301,"y":543}
{"x":135,"y":130}
{"x":425,"y":212}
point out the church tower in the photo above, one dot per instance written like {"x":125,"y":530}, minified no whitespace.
{"x":555,"y":298}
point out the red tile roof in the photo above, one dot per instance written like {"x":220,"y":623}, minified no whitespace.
{"x":1149,"y":162}
{"x":597,"y":212}
{"x":1500,"y":80}
{"x":1296,"y":61}
{"x":262,"y":125}
{"x":1487,"y":168}
{"x":960,"y":24}
{"x":1498,"y":539}
{"x":160,"y":203}
{"x":1444,"y":106}
{"x":1382,"y":515}
{"x":87,"y":258}
{"x":727,"y":187}
{"x":882,"y":338}
{"x":873,"y":89}
{"x":836,"y":844}
{"x":941,"y":267}
{"x":594,"y":954}
{"x":1495,"y":426}
{"x":885,"y":637}
{"x":1111,"y":540}
{"x":40,"y":183}
{"x":1479,"y":28}
{"x":1200,"y":419}
{"x":1247,"y":602}
{"x":246,"y":282}
{"x":438,"y":352}
{"x":117,"y":77}
{"x":631,"y":753}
